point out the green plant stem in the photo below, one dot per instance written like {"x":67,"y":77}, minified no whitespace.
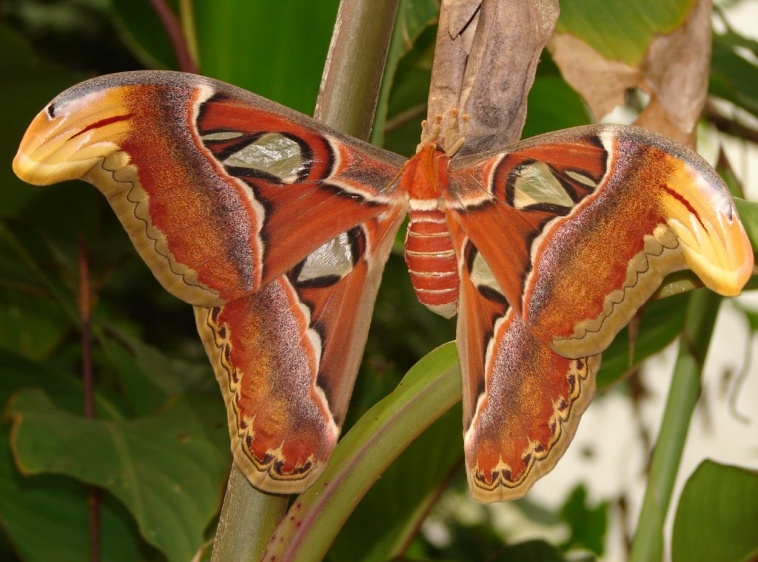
{"x":94,"y":494}
{"x":245,"y":508}
{"x":355,"y":65}
{"x":347,"y":99}
{"x":176,"y":35}
{"x":702,"y":309}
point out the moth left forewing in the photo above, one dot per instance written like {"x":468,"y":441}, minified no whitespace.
{"x":207,"y":179}
{"x":521,"y":401}
{"x":588,"y":223}
{"x":286,"y":356}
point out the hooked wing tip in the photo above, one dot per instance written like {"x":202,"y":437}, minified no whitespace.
{"x":714,"y":241}
{"x":29,"y":164}
{"x":69,"y":138}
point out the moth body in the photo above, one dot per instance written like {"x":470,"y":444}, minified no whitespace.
{"x":429,"y":254}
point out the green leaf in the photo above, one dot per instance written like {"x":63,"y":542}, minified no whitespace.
{"x":748,"y":211}
{"x":30,"y":324}
{"x":64,"y":388}
{"x":429,"y":389}
{"x":702,"y":309}
{"x":143,"y":33}
{"x":531,"y":551}
{"x":275,"y":49}
{"x":55,"y":508}
{"x":553,"y":105}
{"x":35,"y":314}
{"x":392,"y":511}
{"x":22,"y":271}
{"x":588,"y":525}
{"x":733,"y":77}
{"x":619,"y":29}
{"x":413,"y":17}
{"x":407,"y":100}
{"x":716,"y":516}
{"x":168,"y":469}
{"x":148,"y":376}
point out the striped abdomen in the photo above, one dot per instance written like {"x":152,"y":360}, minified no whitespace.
{"x":431,"y":261}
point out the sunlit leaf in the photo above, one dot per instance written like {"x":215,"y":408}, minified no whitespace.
{"x":716,"y":516}
{"x":588,"y":525}
{"x":618,"y":29}
{"x":275,"y":49}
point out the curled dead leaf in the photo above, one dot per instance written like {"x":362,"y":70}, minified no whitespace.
{"x":673,"y":72}
{"x":489,"y":80}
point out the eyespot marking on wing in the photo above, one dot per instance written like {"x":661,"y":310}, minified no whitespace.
{"x":582,"y":179}
{"x":482,"y":277}
{"x":273,"y":155}
{"x":534,"y":183}
{"x":221,"y":136}
{"x":331,"y":261}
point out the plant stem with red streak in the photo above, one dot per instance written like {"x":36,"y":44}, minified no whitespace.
{"x":94,"y":496}
{"x":175,"y":34}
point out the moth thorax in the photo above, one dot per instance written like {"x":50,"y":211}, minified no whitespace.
{"x":431,"y":261}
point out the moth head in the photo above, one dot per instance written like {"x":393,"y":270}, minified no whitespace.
{"x":73,"y":134}
{"x":701,"y":213}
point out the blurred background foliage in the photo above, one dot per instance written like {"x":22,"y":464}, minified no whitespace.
{"x":159,"y":446}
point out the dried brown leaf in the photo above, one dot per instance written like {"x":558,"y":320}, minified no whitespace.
{"x":673,"y":72}
{"x":676,"y":71}
{"x":490,"y":82}
{"x":601,"y":82}
{"x":462,"y":18}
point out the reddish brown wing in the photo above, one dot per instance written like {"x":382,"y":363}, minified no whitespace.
{"x":221,"y":191}
{"x":286,"y":356}
{"x":580,"y":227}
{"x":559,"y":240}
{"x":274,"y":227}
{"x":521,"y":400}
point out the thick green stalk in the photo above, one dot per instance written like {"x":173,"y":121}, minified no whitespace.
{"x":683,"y":395}
{"x":248,"y":519}
{"x":355,"y":65}
{"x":347,"y":99}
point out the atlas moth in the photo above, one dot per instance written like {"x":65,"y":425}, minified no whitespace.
{"x":277,"y":228}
